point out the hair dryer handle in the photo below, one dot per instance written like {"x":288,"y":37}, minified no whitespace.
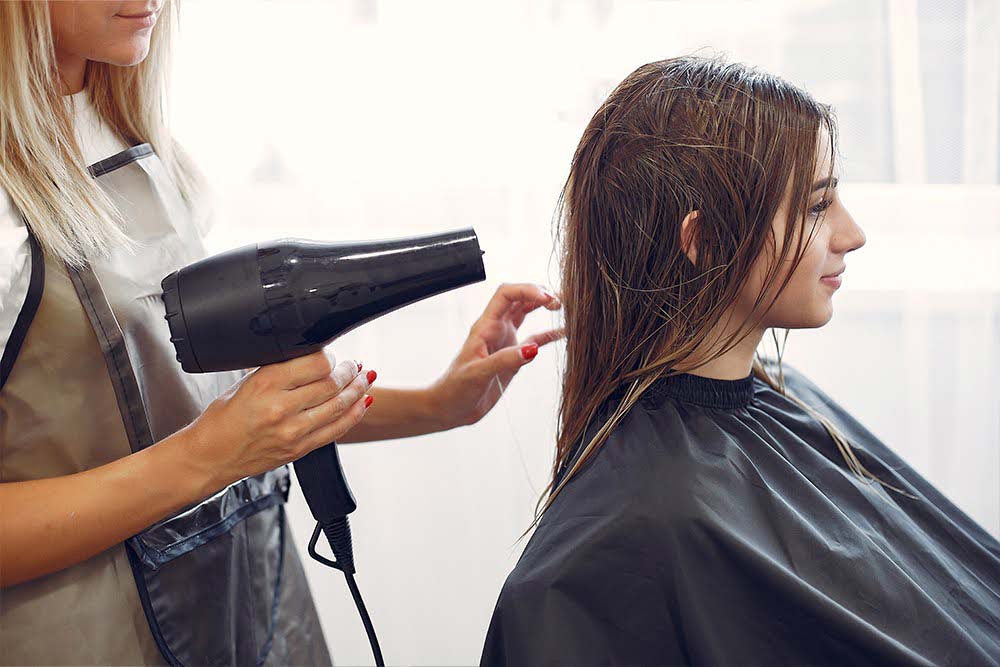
{"x":323,"y":484}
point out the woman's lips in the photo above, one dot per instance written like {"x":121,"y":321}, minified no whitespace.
{"x":144,"y":20}
{"x":832,"y":281}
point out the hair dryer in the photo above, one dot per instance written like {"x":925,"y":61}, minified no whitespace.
{"x":271,"y":302}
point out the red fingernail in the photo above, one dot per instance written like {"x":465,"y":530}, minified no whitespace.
{"x":529,"y":351}
{"x":371,"y":376}
{"x":359,"y":366}
{"x":368,"y":401}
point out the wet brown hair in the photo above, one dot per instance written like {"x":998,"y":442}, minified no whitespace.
{"x":678,"y":135}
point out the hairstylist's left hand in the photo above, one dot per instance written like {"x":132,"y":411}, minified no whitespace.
{"x":491,"y":355}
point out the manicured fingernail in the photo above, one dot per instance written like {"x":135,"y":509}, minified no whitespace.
{"x":549,"y":294}
{"x":371,"y":376}
{"x":359,"y":366}
{"x":529,"y":351}
{"x":368,"y":401}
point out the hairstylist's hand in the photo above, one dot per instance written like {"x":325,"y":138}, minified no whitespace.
{"x":279,"y":413}
{"x":491,"y":355}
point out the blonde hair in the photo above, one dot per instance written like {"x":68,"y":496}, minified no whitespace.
{"x":42,"y":167}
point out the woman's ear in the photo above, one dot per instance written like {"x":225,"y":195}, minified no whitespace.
{"x":689,"y":236}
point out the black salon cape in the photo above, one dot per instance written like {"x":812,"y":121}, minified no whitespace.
{"x":719,"y":526}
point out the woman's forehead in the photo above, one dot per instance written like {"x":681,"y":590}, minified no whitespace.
{"x":825,"y":154}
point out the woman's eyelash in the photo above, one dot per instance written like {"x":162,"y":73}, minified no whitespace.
{"x":820,"y":207}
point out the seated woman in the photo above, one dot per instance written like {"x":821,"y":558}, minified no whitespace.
{"x":707,"y":507}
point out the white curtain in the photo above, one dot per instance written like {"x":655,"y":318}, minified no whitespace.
{"x":380,"y":118}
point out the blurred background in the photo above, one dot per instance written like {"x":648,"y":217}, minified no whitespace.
{"x":364,"y":119}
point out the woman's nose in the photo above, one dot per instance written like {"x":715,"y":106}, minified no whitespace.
{"x":849,"y":235}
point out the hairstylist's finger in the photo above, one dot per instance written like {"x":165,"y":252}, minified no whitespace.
{"x":545,"y":337}
{"x":322,"y":390}
{"x":554,"y":300}
{"x":508,"y":360}
{"x":527,"y":295}
{"x":336,"y":429}
{"x":330,"y":410}
{"x":328,"y":351}
{"x":296,"y":372}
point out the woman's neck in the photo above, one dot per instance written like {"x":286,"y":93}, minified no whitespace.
{"x":72,"y":71}
{"x":735,"y":363}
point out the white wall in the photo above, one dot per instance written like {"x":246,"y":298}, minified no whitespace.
{"x":381,"y":118}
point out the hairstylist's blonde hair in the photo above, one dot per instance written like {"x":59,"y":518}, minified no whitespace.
{"x":41,"y":165}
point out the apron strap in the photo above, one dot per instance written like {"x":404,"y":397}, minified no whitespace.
{"x":109,"y":335}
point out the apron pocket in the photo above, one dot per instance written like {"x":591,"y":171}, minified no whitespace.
{"x":191,"y":528}
{"x":211,"y":576}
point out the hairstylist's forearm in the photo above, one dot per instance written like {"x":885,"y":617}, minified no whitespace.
{"x":49,"y":524}
{"x":398,"y":413}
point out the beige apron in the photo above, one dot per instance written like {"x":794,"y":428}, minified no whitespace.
{"x":89,"y":376}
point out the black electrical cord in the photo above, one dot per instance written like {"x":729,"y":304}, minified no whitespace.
{"x":338,"y":534}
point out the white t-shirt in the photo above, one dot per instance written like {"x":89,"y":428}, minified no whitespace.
{"x":97,"y":141}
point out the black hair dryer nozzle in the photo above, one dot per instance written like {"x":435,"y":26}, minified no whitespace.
{"x":274,"y":301}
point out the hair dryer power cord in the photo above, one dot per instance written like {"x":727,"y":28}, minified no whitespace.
{"x":338,"y":534}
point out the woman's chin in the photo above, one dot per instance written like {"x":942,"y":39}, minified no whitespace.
{"x":822,"y":316}
{"x":811,"y":318}
{"x":128,"y":54}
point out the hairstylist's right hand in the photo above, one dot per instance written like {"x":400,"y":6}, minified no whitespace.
{"x":277,"y":414}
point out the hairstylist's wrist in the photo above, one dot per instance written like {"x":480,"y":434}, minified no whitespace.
{"x":437,"y":409}
{"x":198,"y":474}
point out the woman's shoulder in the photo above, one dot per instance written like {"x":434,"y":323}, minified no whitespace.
{"x":15,"y":265}
{"x":798,"y":383}
{"x":13,"y":240}
{"x":800,"y":386}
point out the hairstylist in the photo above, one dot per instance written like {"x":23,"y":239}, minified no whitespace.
{"x":141,"y":515}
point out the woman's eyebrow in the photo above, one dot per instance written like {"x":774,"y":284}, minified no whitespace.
{"x":823,"y":182}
